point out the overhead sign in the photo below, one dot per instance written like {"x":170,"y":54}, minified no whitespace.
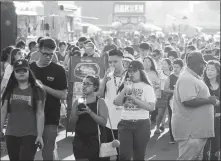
{"x":129,"y":8}
{"x":81,"y":67}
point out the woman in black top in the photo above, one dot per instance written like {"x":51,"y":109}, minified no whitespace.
{"x":86,"y":119}
{"x":169,"y":88}
{"x":212,"y":80}
{"x":24,"y":101}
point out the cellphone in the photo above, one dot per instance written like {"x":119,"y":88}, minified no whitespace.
{"x":39,"y":145}
{"x":81,"y":107}
{"x":81,"y":104}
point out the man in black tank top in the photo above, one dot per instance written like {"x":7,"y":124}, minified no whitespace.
{"x":169,"y":88}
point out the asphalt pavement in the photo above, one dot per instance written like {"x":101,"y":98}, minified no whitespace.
{"x":158,"y":147}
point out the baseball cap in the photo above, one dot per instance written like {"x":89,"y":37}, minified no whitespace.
{"x":116,"y":52}
{"x":129,"y":49}
{"x":145,"y":46}
{"x":21,"y":64}
{"x":128,"y":57}
{"x":195,"y":58}
{"x":135,"y":66}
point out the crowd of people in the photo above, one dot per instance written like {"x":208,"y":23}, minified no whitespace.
{"x":149,"y":78}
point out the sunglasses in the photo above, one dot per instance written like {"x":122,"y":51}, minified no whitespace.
{"x":21,"y":71}
{"x":47,"y":54}
{"x":132,"y":70}
{"x":87,"y":84}
{"x":154,"y":55}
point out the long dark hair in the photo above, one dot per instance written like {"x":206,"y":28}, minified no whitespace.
{"x":5,"y":54}
{"x":169,"y":63}
{"x":217,"y":66}
{"x":153,"y":64}
{"x":13,"y":53}
{"x":143,"y":78}
{"x":38,"y":92}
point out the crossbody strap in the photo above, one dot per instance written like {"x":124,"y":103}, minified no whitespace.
{"x":99,"y":133}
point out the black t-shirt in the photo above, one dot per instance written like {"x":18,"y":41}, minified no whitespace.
{"x":217,"y":94}
{"x":54,"y":77}
{"x":209,"y":57}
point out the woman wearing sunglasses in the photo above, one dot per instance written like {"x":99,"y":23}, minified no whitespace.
{"x":24,"y":101}
{"x":138,"y":100}
{"x":86,"y":119}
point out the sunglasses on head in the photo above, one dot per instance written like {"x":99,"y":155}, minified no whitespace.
{"x":21,"y":70}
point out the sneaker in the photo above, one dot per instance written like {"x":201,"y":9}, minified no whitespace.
{"x":157,"y":131}
{"x":172,"y":142}
{"x":60,"y":126}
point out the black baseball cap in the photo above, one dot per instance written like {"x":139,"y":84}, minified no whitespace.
{"x":21,"y":64}
{"x":145,"y":46}
{"x":116,"y":52}
{"x":195,"y":58}
{"x":135,"y":66}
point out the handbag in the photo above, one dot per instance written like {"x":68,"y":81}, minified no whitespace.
{"x":106,"y":149}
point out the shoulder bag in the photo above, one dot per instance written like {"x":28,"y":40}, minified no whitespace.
{"x":106,"y":149}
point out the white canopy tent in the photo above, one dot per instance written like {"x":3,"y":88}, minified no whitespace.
{"x":182,"y":25}
{"x":141,"y":26}
{"x":116,"y":24}
{"x":91,"y":28}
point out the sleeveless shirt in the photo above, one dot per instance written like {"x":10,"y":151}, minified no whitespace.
{"x":86,"y":126}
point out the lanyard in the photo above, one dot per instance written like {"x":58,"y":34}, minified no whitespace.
{"x":115,"y":82}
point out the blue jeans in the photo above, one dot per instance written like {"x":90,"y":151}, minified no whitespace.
{"x":49,"y":152}
{"x":133,"y":137}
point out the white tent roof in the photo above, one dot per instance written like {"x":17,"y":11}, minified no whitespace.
{"x":91,"y":28}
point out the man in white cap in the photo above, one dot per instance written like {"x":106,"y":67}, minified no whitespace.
{"x":128,"y":56}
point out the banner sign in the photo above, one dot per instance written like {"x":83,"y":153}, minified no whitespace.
{"x":81,"y":67}
{"x":136,"y":8}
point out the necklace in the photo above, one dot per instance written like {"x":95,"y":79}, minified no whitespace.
{"x":115,"y":81}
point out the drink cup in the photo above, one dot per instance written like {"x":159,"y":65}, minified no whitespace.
{"x":80,"y":100}
{"x":110,"y":70}
{"x":129,"y":85}
{"x":81,"y":103}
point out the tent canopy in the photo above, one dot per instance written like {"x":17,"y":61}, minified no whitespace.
{"x":141,"y":25}
{"x":91,"y":28}
{"x":183,"y":25}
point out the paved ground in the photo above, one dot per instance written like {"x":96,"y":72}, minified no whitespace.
{"x":158,"y":148}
